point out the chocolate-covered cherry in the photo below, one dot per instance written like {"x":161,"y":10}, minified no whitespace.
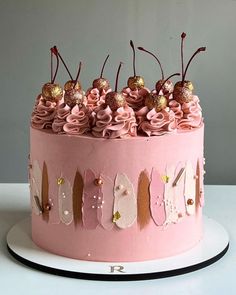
{"x":52,"y":91}
{"x":115,"y":99}
{"x":183,"y":90}
{"x":101,"y":83}
{"x":135,"y":82}
{"x":168,"y":86}
{"x":157,"y":101}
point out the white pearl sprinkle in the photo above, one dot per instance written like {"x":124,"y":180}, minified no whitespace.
{"x":89,"y":254}
{"x":99,"y":198}
{"x":93,"y":206}
{"x":94,"y":197}
{"x":66,"y":212}
{"x":98,"y":207}
{"x":101,"y":206}
{"x":120,"y":186}
{"x":103,"y":202}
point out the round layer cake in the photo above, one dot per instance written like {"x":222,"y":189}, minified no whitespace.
{"x":128,"y":199}
{"x":117,"y":176}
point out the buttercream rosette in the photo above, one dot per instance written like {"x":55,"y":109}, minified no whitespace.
{"x":43,"y":113}
{"x":114,"y":124}
{"x":63,"y":111}
{"x":95,"y":97}
{"x":78,"y":121}
{"x":188,"y":115}
{"x":135,"y":98}
{"x":156,"y":123}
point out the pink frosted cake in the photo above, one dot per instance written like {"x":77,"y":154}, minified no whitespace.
{"x":117,"y":176}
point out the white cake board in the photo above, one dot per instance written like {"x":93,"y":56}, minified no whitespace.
{"x":213,"y":246}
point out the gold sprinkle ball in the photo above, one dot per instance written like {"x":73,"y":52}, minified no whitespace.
{"x":116,"y":216}
{"x":136,"y":82}
{"x":98,"y":182}
{"x":52,"y":92}
{"x":190,"y":202}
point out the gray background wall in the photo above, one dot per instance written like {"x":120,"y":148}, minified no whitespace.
{"x":87,"y":31}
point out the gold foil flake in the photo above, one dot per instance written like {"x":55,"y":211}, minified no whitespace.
{"x":165,"y":178}
{"x":60,"y":181}
{"x":116,"y":216}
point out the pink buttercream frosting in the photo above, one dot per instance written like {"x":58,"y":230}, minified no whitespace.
{"x":188,"y":115}
{"x":43,"y":114}
{"x":63,"y":111}
{"x":135,"y":98}
{"x":78,"y":121}
{"x":95,"y":98}
{"x":156,"y":123}
{"x":118,"y":124}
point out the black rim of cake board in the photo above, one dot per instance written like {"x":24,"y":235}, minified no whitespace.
{"x":118,"y":277}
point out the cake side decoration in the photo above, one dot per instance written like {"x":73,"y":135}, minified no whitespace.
{"x":65,"y":201}
{"x":35,"y":175}
{"x":125,"y":202}
{"x":157,"y":203}
{"x":143,"y":200}
{"x":170,"y":197}
{"x":78,"y":187}
{"x":45,"y":193}
{"x":189,"y":189}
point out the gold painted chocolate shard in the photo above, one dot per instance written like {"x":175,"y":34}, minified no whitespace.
{"x":78,"y":187}
{"x":45,"y":192}
{"x":143,"y":203}
{"x":116,"y":216}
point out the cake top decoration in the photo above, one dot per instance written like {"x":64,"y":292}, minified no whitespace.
{"x":52,"y":91}
{"x":71,"y":83}
{"x":135,"y":82}
{"x":101,"y":83}
{"x":168,"y":86}
{"x":157,"y":100}
{"x":115,"y":99}
{"x":183,"y":89}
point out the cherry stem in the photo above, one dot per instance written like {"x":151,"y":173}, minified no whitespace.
{"x":55,"y":48}
{"x":195,"y":53}
{"x":51,"y":65}
{"x":105,"y":61}
{"x":183,"y":35}
{"x":176,"y":74}
{"x":162,"y":72}
{"x":77,"y":77}
{"x":117,"y":76}
{"x":53,"y":51}
{"x":132,"y":45}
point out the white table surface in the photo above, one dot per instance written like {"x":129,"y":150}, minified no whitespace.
{"x":218,"y":278}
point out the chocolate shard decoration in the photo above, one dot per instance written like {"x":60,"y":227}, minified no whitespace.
{"x":190,"y":189}
{"x":78,"y":187}
{"x":45,"y":192}
{"x":143,"y":200}
{"x":199,"y":183}
{"x":65,"y":202}
{"x":36,"y":188}
{"x":107,"y":203}
{"x":169,"y":197}
{"x":157,"y":204}
{"x":125,"y":201}
{"x":91,"y":195}
{"x":179,"y":189}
